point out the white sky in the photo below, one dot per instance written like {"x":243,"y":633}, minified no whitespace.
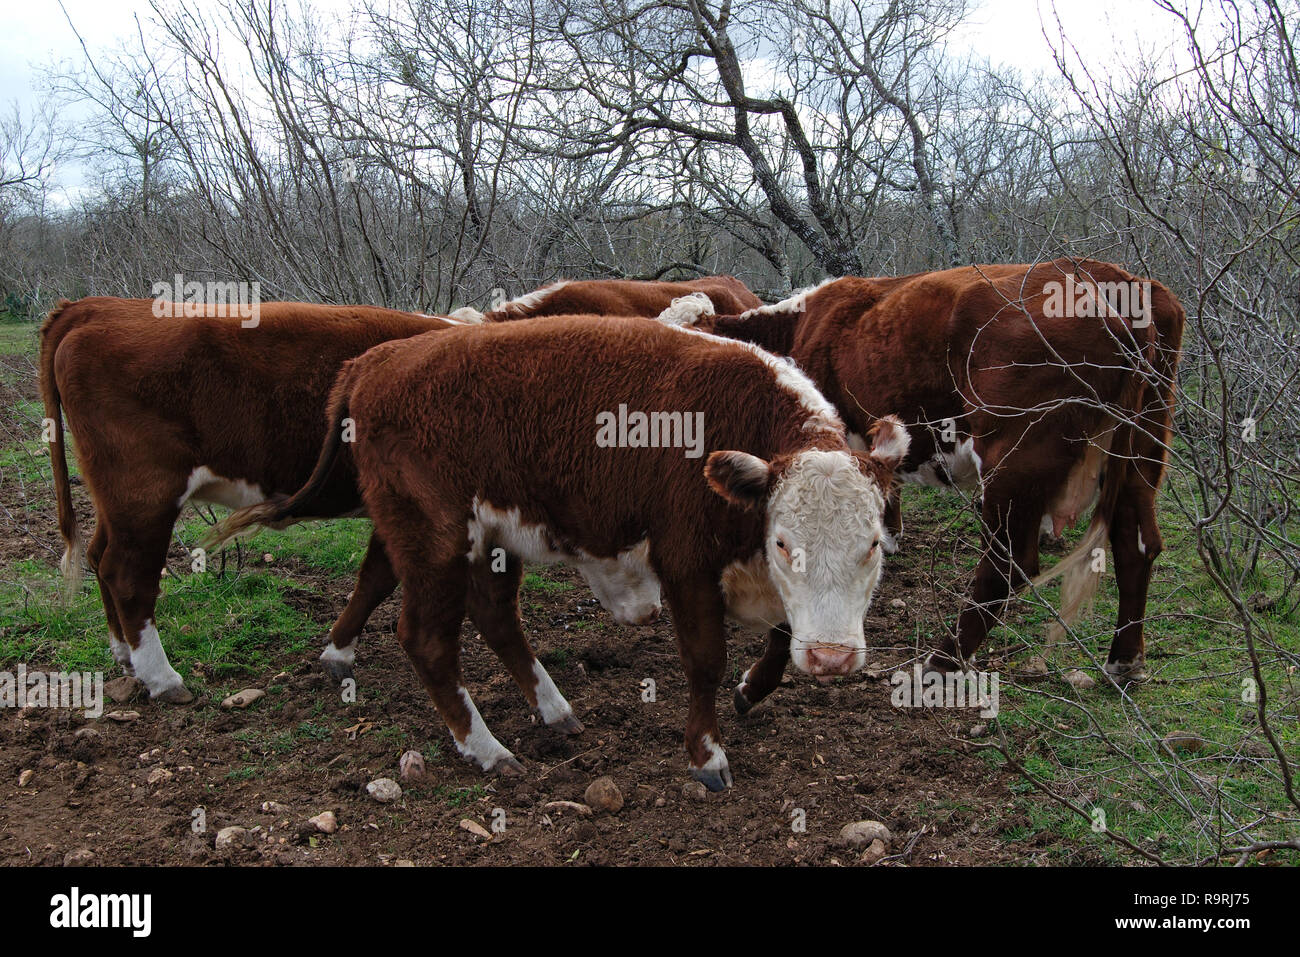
{"x":35,"y":33}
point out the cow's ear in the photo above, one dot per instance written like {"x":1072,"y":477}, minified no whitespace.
{"x":739,"y":477}
{"x":889,"y":442}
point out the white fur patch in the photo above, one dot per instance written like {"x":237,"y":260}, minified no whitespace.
{"x":551,"y":705}
{"x":204,"y":485}
{"x":479,"y":745}
{"x":625,"y":584}
{"x":717,"y":760}
{"x":796,"y":302}
{"x":346,"y":655}
{"x":150,"y":664}
{"x":751,"y":595}
{"x":1142,"y":546}
{"x":465,"y":315}
{"x":962,"y":465}
{"x":822,"y":416}
{"x":687,"y":310}
{"x":530,"y":300}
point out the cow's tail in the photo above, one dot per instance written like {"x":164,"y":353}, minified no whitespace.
{"x":281,"y":511}
{"x":1080,"y":571}
{"x":70,"y":564}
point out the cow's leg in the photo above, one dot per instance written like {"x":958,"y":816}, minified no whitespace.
{"x":130,"y":564}
{"x":94,"y":556}
{"x":698,"y":610}
{"x":433,"y":605}
{"x":892,"y":539}
{"x":376,"y":580}
{"x":1009,"y":559}
{"x":765,"y":674}
{"x":1135,"y":542}
{"x":494,"y":608}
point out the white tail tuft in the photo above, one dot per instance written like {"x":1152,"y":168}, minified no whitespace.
{"x":70,"y":567}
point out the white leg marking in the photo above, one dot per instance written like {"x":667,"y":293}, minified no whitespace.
{"x":479,"y":745}
{"x":550,"y":703}
{"x":151,"y":665}
{"x":344,"y":656}
{"x":717,"y":757}
{"x":121,"y":653}
{"x":1142,"y":546}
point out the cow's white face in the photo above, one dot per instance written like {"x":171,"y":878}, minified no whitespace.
{"x":823,"y":535}
{"x":625,"y":586}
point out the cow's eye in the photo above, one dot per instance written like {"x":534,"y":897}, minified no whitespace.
{"x":870,"y":551}
{"x":781,"y":547}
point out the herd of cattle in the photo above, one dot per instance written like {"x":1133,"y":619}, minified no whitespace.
{"x":470,"y":443}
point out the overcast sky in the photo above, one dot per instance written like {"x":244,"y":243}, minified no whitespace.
{"x":35,"y":33}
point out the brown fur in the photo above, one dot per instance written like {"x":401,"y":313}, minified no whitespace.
{"x":506,"y":414}
{"x":629,"y":297}
{"x":973,"y":344}
{"x":150,"y":399}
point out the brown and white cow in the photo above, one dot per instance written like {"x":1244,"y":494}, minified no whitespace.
{"x":477,"y":440}
{"x":166,"y":411}
{"x":1032,"y":384}
{"x":617,"y":297}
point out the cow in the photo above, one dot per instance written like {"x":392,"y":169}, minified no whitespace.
{"x":206,"y":409}
{"x":479,"y":449}
{"x":616,"y":297}
{"x":1042,"y":387}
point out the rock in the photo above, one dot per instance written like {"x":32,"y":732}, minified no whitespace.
{"x":579,"y":809}
{"x":875,"y":851}
{"x":1035,"y":667}
{"x":603,"y":794}
{"x":123,"y":716}
{"x":384,"y":790}
{"x":695,"y":791}
{"x":87,"y":734}
{"x":979,"y":730}
{"x":403,"y":862}
{"x":25,"y":777}
{"x":273,"y":807}
{"x":159,"y":775}
{"x":325,"y":822}
{"x":230,"y":837}
{"x":478,"y":830}
{"x":268,"y":558}
{"x":898,"y":604}
{"x":1185,"y":741}
{"x":1079,"y":680}
{"x":862,"y":833}
{"x":78,"y":857}
{"x":281,"y":678}
{"x":412,"y":766}
{"x":123,"y":689}
{"x":242,"y":699}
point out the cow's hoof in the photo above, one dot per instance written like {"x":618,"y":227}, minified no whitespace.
{"x":507,"y":766}
{"x":715,"y":779}
{"x":179,"y":694}
{"x":569,"y":724}
{"x":340,"y":671}
{"x":1127,"y":671}
{"x":743,"y":704}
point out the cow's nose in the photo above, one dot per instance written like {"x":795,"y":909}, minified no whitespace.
{"x":829,"y":660}
{"x":650,"y":617}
